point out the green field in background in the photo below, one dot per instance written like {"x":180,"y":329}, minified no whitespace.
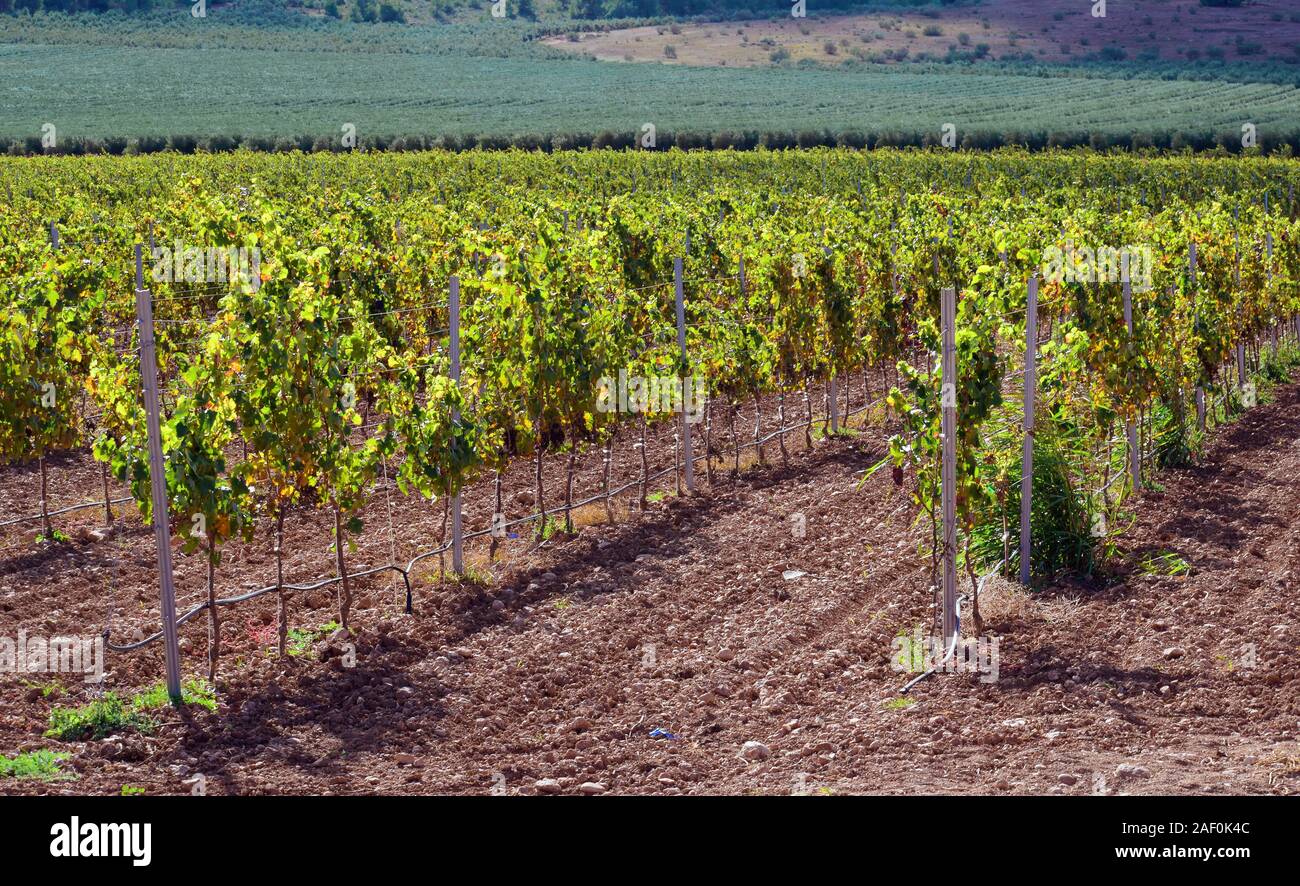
{"x":129,"y":91}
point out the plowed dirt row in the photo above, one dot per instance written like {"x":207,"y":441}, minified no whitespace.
{"x":551,"y":674}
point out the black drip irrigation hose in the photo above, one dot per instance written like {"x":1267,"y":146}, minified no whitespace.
{"x":406,"y":571}
{"x":251,"y":595}
{"x":952,"y":647}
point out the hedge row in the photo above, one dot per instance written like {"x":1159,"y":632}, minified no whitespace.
{"x":1230,"y":142}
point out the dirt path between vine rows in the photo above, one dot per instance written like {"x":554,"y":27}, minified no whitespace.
{"x":552,"y":676}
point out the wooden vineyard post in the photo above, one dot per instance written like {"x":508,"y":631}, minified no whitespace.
{"x":1268,"y":252}
{"x":457,"y":523}
{"x":1200,"y":389}
{"x":1027,"y":457}
{"x":46,"y":526}
{"x":1130,"y":427}
{"x":948,"y":315}
{"x":157,"y":479}
{"x":831,"y":409}
{"x":1241,"y":345}
{"x":832,"y":384}
{"x":689,"y":462}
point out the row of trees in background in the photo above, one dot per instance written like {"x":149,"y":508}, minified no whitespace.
{"x":745,"y":140}
{"x":127,"y":6}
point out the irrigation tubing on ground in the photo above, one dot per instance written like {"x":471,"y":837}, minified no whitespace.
{"x":69,"y":509}
{"x":442,"y":549}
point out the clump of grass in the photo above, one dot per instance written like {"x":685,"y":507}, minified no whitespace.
{"x":1277,"y":370}
{"x":898,"y":704}
{"x":302,"y":639}
{"x":1060,"y":518}
{"x":1167,"y":563}
{"x":1176,"y":443}
{"x":110,"y":714}
{"x":47,"y":690}
{"x":472,"y":575}
{"x":42,"y":765}
{"x":97,"y":719}
{"x":131,"y":790}
{"x":548,"y":528}
{"x":192,"y":692}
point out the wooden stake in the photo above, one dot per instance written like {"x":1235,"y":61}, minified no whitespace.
{"x":1027,"y":455}
{"x":457,"y":523}
{"x":157,"y":480}
{"x":497,"y":514}
{"x":1200,"y":389}
{"x":689,"y":462}
{"x":1134,"y":452}
{"x":948,"y":315}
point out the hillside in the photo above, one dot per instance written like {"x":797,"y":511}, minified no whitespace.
{"x":1012,"y":71}
{"x":1051,"y":31}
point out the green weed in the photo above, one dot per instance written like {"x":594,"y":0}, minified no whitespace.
{"x":97,"y":719}
{"x":42,"y":765}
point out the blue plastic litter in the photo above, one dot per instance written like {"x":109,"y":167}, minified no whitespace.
{"x":663,"y":733}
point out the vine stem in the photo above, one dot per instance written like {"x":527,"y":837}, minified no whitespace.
{"x":541,"y":504}
{"x":108,"y":502}
{"x":496,"y":487}
{"x":279,"y":580}
{"x":807,"y":428}
{"x":568,"y":494}
{"x":345,"y":588}
{"x":708,"y":439}
{"x":645,"y":465}
{"x":780,"y":424}
{"x":46,"y":525}
{"x":214,"y":622}
{"x":609,"y":461}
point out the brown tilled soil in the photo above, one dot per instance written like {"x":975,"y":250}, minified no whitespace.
{"x":551,"y":670}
